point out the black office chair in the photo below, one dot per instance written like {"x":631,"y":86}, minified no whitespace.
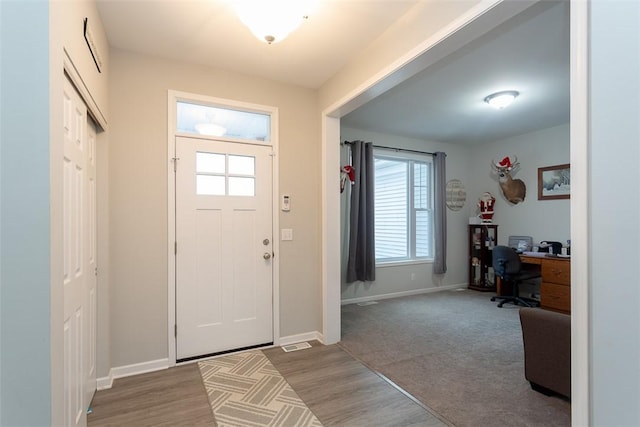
{"x":507,"y":265}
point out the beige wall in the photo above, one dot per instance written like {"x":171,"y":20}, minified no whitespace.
{"x":540,"y":219}
{"x":68,"y":24}
{"x":138,"y":197}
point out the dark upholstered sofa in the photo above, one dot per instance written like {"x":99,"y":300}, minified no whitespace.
{"x":547,"y":350}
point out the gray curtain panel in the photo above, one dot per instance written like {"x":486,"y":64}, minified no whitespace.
{"x":440,"y":214}
{"x":361,"y":264}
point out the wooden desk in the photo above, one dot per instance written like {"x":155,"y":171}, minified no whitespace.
{"x":555,"y":288}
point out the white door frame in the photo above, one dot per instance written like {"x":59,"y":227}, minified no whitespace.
{"x":173,"y":98}
{"x":493,"y":13}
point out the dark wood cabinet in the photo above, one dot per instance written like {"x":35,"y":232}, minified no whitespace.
{"x":482,"y":239}
{"x":555,"y":286}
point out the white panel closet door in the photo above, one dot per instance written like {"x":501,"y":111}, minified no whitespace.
{"x":79,"y":248}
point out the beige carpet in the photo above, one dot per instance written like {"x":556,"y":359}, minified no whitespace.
{"x":245,"y":389}
{"x":457,"y":353}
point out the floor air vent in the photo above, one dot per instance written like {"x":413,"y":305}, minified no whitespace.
{"x":362,"y":304}
{"x":296,"y":347}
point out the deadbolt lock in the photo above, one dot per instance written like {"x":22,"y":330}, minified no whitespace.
{"x":265,"y":242}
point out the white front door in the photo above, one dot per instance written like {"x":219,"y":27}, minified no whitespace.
{"x":79,"y":247}
{"x":224,"y":252}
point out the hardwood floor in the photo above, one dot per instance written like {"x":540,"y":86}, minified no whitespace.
{"x":171,"y":397}
{"x":339,"y":390}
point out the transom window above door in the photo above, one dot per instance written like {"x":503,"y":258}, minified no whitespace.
{"x":224,"y":122}
{"x":225,"y":175}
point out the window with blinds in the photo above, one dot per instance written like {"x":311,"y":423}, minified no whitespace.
{"x":403,"y":207}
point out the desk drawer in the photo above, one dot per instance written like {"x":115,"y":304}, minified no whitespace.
{"x":554,"y":271}
{"x":556,"y":297}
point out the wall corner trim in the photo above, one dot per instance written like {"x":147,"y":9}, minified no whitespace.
{"x":105,"y":383}
{"x":130,"y":370}
{"x":294,"y":339}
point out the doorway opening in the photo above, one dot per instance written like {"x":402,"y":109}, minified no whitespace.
{"x":445,"y":42}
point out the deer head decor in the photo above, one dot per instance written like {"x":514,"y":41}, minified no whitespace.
{"x":514,"y":190}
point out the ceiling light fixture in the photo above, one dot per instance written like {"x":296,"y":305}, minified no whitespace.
{"x":210,"y":129}
{"x":500,"y":100}
{"x":273,"y":20}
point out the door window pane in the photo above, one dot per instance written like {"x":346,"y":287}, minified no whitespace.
{"x":239,"y":186}
{"x":225,"y":174}
{"x":242,"y":165}
{"x":210,"y":163}
{"x":208,"y":185}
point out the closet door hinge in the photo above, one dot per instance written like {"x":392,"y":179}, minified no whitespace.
{"x":175,"y":163}
{"x":175,"y":248}
{"x":175,"y":330}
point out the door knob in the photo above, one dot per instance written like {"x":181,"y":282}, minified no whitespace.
{"x":266,"y":255}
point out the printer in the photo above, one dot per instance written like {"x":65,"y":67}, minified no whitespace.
{"x":550,"y":247}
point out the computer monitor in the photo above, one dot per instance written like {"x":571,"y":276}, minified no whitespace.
{"x":521,"y":243}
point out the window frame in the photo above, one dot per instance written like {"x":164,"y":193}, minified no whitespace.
{"x":411,"y":158}
{"x":226,"y":174}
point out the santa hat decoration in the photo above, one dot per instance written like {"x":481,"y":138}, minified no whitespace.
{"x":347,"y":173}
{"x":505,"y":163}
{"x":351,"y":173}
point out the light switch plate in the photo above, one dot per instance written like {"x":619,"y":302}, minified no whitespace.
{"x":286,"y":234}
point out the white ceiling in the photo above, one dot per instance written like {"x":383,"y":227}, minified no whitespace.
{"x":529,"y":53}
{"x":208,"y":32}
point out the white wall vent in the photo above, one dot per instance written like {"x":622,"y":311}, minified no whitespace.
{"x":295,"y":347}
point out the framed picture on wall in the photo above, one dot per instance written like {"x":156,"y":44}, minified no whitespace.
{"x":554,"y":182}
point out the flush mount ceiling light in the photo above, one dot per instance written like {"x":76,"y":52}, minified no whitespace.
{"x":210,"y":129}
{"x":273,"y":20}
{"x":500,"y":100}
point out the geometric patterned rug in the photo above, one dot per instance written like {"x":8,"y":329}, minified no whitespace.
{"x":245,"y":389}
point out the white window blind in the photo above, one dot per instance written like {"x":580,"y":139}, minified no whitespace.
{"x":403,"y":207}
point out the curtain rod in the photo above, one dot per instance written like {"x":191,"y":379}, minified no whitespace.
{"x":395,"y":149}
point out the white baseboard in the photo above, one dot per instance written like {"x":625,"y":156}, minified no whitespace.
{"x":157,"y":365}
{"x":402,"y":294}
{"x":105,"y":383}
{"x":294,"y":339}
{"x":130,"y":370}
